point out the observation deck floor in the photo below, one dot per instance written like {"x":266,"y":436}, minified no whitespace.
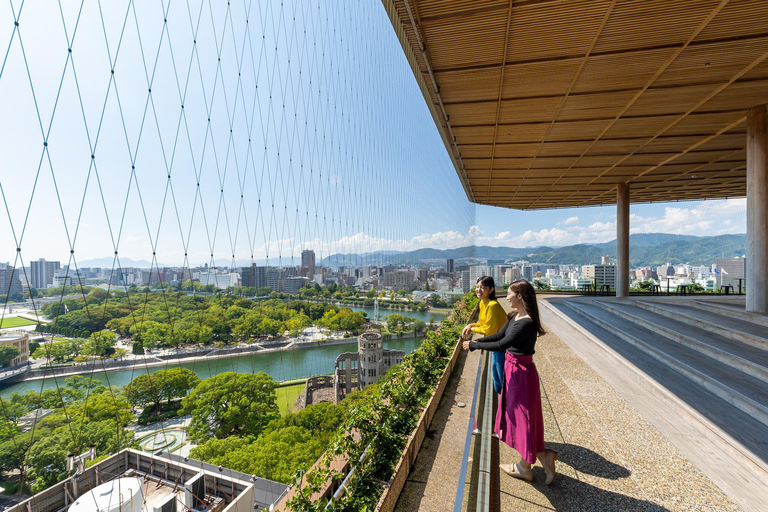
{"x":610,"y":456}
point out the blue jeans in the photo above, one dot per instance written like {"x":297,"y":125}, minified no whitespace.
{"x":498,"y":371}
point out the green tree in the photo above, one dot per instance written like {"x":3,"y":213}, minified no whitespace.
{"x":397,"y":323}
{"x":100,"y":344}
{"x":231,"y":404}
{"x":7,"y":354}
{"x":59,"y":351}
{"x":176,"y":382}
{"x":152,"y":388}
{"x":142,"y":391}
{"x":643,"y":286}
{"x":418,"y":325}
{"x":297,"y":324}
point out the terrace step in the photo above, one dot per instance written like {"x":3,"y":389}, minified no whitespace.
{"x":731,"y":310}
{"x":715,"y":322}
{"x":742,"y":431}
{"x":739,"y":355}
{"x":737,"y":388}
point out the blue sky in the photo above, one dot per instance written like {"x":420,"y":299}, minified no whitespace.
{"x":302,"y":128}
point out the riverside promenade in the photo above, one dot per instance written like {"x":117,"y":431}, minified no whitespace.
{"x":610,"y":456}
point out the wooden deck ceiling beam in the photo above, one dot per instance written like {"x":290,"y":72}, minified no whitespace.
{"x":551,"y":103}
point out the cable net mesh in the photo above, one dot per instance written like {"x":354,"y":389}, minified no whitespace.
{"x":160,"y":156}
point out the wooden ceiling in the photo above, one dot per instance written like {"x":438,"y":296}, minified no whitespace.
{"x":551,"y":103}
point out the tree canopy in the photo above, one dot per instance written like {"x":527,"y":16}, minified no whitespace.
{"x":231,"y":404}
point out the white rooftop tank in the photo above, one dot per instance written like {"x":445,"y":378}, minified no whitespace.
{"x":119,"y":495}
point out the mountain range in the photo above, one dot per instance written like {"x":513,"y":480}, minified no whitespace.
{"x":645,"y":249}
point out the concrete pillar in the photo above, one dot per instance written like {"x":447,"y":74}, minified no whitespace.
{"x":622,"y":240}
{"x":757,"y":209}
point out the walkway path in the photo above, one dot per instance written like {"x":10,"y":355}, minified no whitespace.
{"x":611,"y":458}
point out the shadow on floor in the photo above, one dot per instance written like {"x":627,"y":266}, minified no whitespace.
{"x":567,"y":493}
{"x":588,"y":462}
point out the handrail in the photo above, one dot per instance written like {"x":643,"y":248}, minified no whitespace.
{"x":468,"y":440}
{"x":484,"y":474}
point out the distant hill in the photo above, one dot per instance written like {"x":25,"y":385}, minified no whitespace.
{"x":645,"y":249}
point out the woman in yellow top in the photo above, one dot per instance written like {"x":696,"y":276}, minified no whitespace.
{"x":490,"y":321}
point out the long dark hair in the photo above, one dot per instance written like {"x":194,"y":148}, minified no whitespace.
{"x":528,"y":295}
{"x":487,"y":281}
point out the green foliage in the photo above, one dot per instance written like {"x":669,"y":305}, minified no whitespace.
{"x":152,"y":415}
{"x":642,"y":286}
{"x":85,"y":413}
{"x":100,"y":344}
{"x":288,"y":444}
{"x":59,"y":351}
{"x":343,"y":319}
{"x":7,"y":354}
{"x":152,"y":388}
{"x":382,"y":421}
{"x":230,"y":404}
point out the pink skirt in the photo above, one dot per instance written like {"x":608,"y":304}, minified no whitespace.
{"x":519,"y":421}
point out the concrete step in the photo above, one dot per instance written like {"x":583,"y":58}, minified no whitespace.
{"x":730,"y":310}
{"x":739,"y":389}
{"x":739,"y":430}
{"x":737,"y":329}
{"x":736,"y":354}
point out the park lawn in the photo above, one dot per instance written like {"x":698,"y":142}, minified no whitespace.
{"x":15,"y":321}
{"x":287,"y":395}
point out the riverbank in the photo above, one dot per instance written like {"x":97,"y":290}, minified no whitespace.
{"x":169,"y":359}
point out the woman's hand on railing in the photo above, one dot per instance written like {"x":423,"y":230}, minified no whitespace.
{"x":467,"y":331}
{"x":465,"y":344}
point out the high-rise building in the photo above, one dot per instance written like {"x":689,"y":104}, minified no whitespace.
{"x":246,"y":276}
{"x":528,"y":273}
{"x":601,"y":274}
{"x":605,"y":260}
{"x":9,"y":280}
{"x":41,"y":273}
{"x":450,"y":266}
{"x":273,"y":278}
{"x":399,"y":280}
{"x":294,"y":283}
{"x":512,"y":274}
{"x":478,"y":271}
{"x":423,"y":274}
{"x":254,"y":276}
{"x":308,"y":262}
{"x":466,"y":283}
{"x":731,"y":270}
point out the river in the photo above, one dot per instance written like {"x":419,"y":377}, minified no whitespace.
{"x":281,"y":365}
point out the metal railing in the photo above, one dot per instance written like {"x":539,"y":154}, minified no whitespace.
{"x":480,"y":426}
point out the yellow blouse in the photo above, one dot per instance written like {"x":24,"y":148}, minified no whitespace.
{"x":491,"y":319}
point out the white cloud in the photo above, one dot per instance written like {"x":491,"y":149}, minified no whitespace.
{"x":707,"y":218}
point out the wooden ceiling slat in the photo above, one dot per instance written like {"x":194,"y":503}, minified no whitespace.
{"x":651,"y":92}
{"x":672,"y":22}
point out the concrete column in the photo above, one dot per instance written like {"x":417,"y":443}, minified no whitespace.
{"x":757,"y":209}
{"x":622,"y":240}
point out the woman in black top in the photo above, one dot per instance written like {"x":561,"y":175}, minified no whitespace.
{"x":519,"y":421}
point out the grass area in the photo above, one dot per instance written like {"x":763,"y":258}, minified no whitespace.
{"x":15,"y":321}
{"x":287,"y":395}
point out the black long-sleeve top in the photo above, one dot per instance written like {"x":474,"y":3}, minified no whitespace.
{"x":518,"y":337}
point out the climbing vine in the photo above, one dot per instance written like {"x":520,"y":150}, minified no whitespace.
{"x":376,"y":431}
